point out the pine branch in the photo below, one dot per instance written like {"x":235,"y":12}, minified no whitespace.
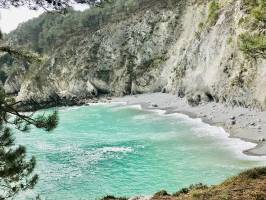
{"x":22,"y":54}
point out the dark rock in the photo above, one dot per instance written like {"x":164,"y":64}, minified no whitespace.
{"x":252,"y":124}
{"x":164,"y":90}
{"x":233,"y":118}
{"x":194,"y":101}
{"x":181,"y":92}
{"x":208,"y":97}
{"x":233,"y":122}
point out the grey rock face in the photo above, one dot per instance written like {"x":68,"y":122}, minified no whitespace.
{"x":13,"y":83}
{"x":159,"y":48}
{"x":121,"y":58}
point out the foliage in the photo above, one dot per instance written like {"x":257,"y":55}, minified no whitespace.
{"x":249,"y":4}
{"x":46,"y":4}
{"x":253,"y":45}
{"x":21,"y":54}
{"x":249,"y":184}
{"x":213,"y":15}
{"x":50,"y":30}
{"x":254,"y":173}
{"x":16,"y":172}
{"x":201,"y":26}
{"x":3,"y":76}
{"x":198,"y":186}
{"x":161,"y":193}
{"x":110,"y":197}
{"x":253,"y":42}
{"x":259,"y":13}
{"x":256,"y":10}
{"x":181,"y":191}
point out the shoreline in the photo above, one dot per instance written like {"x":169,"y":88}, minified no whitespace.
{"x":240,"y":123}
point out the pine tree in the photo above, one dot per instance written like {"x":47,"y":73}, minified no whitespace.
{"x":16,"y":172}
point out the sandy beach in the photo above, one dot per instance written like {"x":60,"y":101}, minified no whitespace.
{"x":246,"y":124}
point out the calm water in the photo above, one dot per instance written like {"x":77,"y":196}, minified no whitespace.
{"x":124,"y":151}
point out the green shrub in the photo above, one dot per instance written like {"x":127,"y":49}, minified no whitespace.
{"x":201,"y":26}
{"x":182,"y":191}
{"x":161,"y":193}
{"x":111,"y":197}
{"x":253,"y":45}
{"x":213,"y":13}
{"x":250,"y":4}
{"x":3,"y":76}
{"x":259,"y":13}
{"x":254,"y":173}
{"x":198,"y":186}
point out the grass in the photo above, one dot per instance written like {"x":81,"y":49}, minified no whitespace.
{"x":249,"y":184}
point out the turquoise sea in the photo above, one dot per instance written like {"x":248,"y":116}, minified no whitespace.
{"x":125,"y":151}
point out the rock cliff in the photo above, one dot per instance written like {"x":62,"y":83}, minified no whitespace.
{"x":202,"y":50}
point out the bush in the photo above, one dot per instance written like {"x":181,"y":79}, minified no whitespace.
{"x":110,"y":197}
{"x":198,"y":186}
{"x":213,"y":13}
{"x":161,"y":193}
{"x":254,"y":173}
{"x":259,"y":13}
{"x":3,"y":76}
{"x":182,"y":191}
{"x":249,"y":4}
{"x":253,"y":45}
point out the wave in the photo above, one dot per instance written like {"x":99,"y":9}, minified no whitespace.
{"x":117,"y":149}
{"x":202,"y":129}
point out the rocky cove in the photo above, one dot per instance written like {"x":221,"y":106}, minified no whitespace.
{"x":205,"y":59}
{"x":133,"y":47}
{"x":191,"y":49}
{"x":202,"y":58}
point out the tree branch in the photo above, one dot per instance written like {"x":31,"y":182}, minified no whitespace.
{"x":29,"y":56}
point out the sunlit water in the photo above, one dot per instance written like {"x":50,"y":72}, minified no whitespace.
{"x":124,"y":151}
